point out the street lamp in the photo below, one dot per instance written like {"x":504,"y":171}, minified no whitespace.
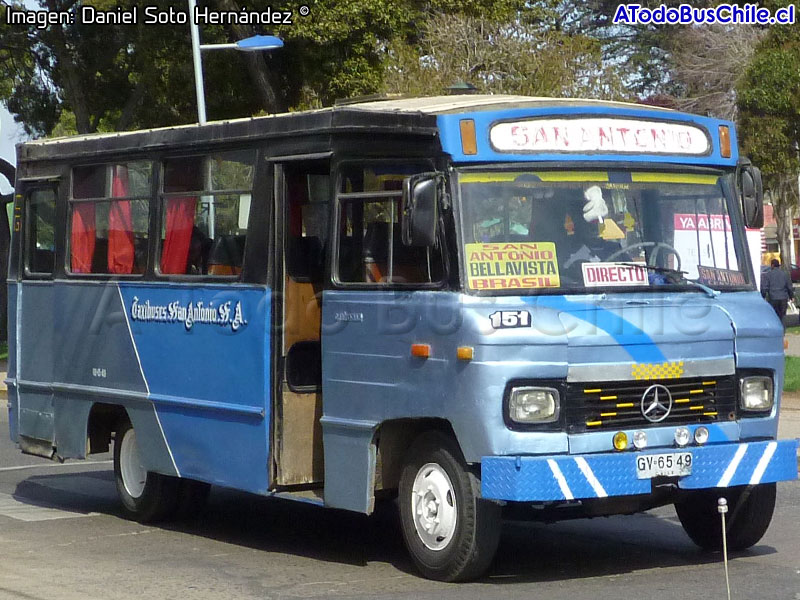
{"x":251,"y":44}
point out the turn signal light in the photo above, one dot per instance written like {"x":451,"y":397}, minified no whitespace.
{"x":465,"y":352}
{"x":421,"y":350}
{"x":724,"y":141}
{"x":620,"y":440}
{"x":469,"y":141}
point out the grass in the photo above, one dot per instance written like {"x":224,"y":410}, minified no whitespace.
{"x":793,"y":330}
{"x":3,"y":350}
{"x":791,"y":381}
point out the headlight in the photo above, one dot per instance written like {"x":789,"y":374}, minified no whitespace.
{"x":756,"y":393}
{"x":533,"y":405}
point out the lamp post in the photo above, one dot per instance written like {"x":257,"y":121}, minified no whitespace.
{"x":251,"y":44}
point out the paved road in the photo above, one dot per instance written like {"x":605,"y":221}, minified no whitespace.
{"x":61,"y":537}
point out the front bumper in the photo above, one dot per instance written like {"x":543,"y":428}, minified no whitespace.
{"x":572,"y":477}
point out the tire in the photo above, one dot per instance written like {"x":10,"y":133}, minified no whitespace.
{"x":453,"y":535}
{"x":145,"y":496}
{"x":749,"y":514}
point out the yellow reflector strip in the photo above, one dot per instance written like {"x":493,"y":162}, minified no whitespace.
{"x":572,"y":175}
{"x":608,"y":397}
{"x":682,"y":401}
{"x":674,"y":178}
{"x":709,"y":383}
{"x":695,"y":391}
{"x":592,"y":391}
{"x":697,"y":408}
{"x":543,"y":175}
{"x":710,"y":414}
{"x":593,"y":423}
{"x":625,"y":405}
{"x":608,"y":414}
{"x":469,"y":142}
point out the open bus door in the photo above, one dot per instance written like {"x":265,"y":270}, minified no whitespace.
{"x":302,"y":208}
{"x":30,"y":292}
{"x":8,"y":171}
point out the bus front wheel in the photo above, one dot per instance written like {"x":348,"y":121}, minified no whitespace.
{"x":145,"y":496}
{"x":749,"y":514}
{"x":450,"y":532}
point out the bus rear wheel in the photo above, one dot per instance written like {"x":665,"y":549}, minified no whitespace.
{"x":749,"y":514}
{"x":145,"y":496}
{"x":450,"y":532}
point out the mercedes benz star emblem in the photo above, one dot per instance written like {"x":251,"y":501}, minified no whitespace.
{"x":656,"y":403}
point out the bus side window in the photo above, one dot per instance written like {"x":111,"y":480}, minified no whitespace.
{"x":40,"y":244}
{"x":205,"y":207}
{"x":109,"y":218}
{"x":370,"y":245}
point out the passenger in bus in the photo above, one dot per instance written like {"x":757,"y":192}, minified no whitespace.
{"x":586,"y":210}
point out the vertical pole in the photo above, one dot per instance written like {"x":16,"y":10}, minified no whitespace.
{"x":198,"y":65}
{"x":722,"y":508}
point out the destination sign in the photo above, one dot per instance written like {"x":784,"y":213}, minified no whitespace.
{"x":591,"y":135}
{"x":512,"y":266}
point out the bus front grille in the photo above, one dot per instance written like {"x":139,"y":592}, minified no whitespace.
{"x":618,"y":404}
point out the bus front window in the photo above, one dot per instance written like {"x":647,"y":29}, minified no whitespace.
{"x":592,"y":230}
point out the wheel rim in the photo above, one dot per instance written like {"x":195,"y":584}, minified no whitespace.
{"x":134,"y":475}
{"x":433,"y":506}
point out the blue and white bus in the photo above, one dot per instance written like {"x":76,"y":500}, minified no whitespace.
{"x":479,"y":305}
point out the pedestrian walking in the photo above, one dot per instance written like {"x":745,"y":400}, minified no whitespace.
{"x":776,"y":287}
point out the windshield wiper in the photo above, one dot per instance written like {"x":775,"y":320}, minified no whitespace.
{"x":680,"y":276}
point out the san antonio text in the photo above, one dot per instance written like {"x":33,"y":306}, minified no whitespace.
{"x":195,"y":312}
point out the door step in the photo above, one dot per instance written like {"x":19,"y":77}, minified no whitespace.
{"x":308,"y":496}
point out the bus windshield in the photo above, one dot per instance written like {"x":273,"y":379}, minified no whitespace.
{"x":595,"y":230}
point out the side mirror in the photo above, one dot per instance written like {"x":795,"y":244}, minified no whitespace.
{"x":751,"y":193}
{"x":420,"y":209}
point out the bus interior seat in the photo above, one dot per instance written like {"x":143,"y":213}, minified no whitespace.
{"x":409,"y":263}
{"x":350,"y":260}
{"x":100,"y":256}
{"x":375,"y":252}
{"x":225,"y":257}
{"x":139,"y":255}
{"x":306,"y":258}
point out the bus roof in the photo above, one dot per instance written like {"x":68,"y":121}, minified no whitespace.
{"x":421,"y":118}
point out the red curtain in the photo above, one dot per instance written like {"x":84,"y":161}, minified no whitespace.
{"x":82,"y":238}
{"x":180,"y":221}
{"x":120,"y":225}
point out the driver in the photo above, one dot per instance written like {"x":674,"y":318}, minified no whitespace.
{"x":588,"y":211}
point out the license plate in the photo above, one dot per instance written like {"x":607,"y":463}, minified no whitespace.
{"x":674,"y":464}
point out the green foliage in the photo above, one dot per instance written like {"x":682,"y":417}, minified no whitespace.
{"x":791,"y":380}
{"x":86,"y":78}
{"x":501,"y":57}
{"x":769,"y":103}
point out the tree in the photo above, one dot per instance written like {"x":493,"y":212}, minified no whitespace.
{"x":769,"y":104}
{"x":109,"y":77}
{"x":87,"y":77}
{"x":708,"y":62}
{"x":513,"y":57}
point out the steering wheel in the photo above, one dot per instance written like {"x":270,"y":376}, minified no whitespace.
{"x":657,"y":247}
